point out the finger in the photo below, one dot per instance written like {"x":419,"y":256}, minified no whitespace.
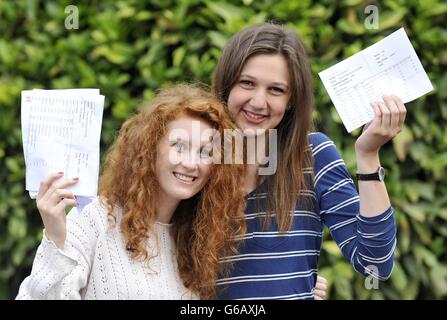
{"x":402,"y":111}
{"x":48,"y":205}
{"x":394,"y":112}
{"x":67,"y":183}
{"x":63,"y":185}
{"x":320,"y":286}
{"x":60,"y":207}
{"x":377,"y":121}
{"x":321,"y":279}
{"x":317,"y":297}
{"x":46,"y":184}
{"x":320,"y":293}
{"x":60,"y":194}
{"x":386,"y":116}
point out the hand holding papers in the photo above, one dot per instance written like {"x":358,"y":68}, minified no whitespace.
{"x":60,"y":132}
{"x":389,"y":66}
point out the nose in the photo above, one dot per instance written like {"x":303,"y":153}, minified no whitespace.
{"x":190,"y":161}
{"x":258,"y":100}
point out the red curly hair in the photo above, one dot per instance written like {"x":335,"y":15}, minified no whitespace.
{"x":204,"y":226}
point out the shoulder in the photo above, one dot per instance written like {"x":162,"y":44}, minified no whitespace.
{"x":316,"y":138}
{"x":329,"y":166}
{"x":323,"y":148}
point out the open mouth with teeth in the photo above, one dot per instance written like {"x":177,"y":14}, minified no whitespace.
{"x":184,"y":178}
{"x":253,"y":117}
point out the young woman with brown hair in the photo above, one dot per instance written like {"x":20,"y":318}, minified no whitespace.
{"x":265,"y":80}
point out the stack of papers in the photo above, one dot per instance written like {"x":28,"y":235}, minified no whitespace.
{"x":61,"y":131}
{"x":389,"y":66}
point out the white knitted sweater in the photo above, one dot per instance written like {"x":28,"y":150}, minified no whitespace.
{"x":94,"y":264}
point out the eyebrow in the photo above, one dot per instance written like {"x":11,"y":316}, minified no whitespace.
{"x":202,"y":143}
{"x":274,"y":83}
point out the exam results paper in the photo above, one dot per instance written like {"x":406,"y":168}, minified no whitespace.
{"x":389,"y":66}
{"x":60,"y":133}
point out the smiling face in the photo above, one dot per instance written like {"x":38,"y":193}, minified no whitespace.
{"x":260,"y":96}
{"x":185,"y":177}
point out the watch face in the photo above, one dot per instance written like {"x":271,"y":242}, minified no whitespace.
{"x":381,"y":173}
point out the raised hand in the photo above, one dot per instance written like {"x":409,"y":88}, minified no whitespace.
{"x":387,"y":123}
{"x":51,"y":203}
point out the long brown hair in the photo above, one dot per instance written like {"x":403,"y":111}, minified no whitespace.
{"x":205,"y":225}
{"x":294,"y":156}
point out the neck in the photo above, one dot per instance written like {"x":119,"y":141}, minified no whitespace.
{"x":257,"y":152}
{"x":251,"y":177}
{"x":166,"y":208}
{"x":256,"y":149}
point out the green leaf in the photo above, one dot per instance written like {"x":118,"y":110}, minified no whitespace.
{"x":17,"y":227}
{"x":344,"y":269}
{"x":351,"y":27}
{"x":417,"y":189}
{"x":13,"y":165}
{"x":218,"y":39}
{"x":402,"y":142}
{"x":225,"y":10}
{"x":392,"y":19}
{"x":351,"y":3}
{"x":438,"y":276}
{"x":332,"y":248}
{"x":424,"y":233}
{"x":399,"y":278}
{"x":178,"y":56}
{"x":414,"y":211}
{"x":427,"y":256}
{"x":436,"y":9}
{"x":21,"y":250}
{"x":144,"y":15}
{"x":404,"y":233}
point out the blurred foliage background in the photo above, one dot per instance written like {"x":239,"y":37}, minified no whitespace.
{"x":128,"y":49}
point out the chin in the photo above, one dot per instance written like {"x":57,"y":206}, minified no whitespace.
{"x":244,"y":126}
{"x":184,"y":195}
{"x":252,"y":131}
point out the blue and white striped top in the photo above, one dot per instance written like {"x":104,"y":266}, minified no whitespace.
{"x":273,"y":266}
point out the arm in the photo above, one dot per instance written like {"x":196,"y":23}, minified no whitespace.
{"x":55,"y":274}
{"x":366,"y":242}
{"x":62,"y":263}
{"x":387,"y":123}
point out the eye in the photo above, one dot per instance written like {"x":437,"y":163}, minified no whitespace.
{"x":246,"y":83}
{"x":278,"y":90}
{"x":180,"y":146}
{"x":206,"y":152}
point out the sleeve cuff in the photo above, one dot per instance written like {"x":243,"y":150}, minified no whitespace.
{"x":381,"y":227}
{"x":58,"y":259}
{"x":384,"y":216}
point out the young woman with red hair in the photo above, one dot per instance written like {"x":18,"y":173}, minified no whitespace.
{"x":158,"y":227}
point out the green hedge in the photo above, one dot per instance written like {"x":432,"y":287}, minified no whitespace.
{"x":128,"y":49}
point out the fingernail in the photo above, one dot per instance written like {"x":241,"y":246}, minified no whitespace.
{"x":60,"y":172}
{"x":76,"y":179}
